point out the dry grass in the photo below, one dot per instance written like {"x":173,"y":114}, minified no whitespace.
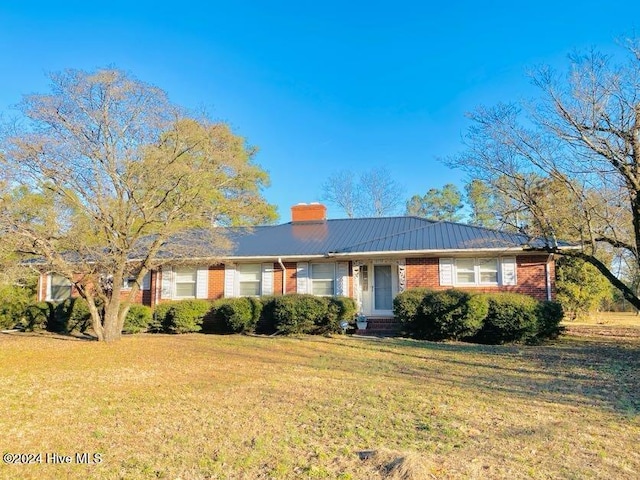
{"x":198,"y":406}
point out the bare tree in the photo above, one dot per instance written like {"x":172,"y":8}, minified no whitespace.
{"x":571,"y":158}
{"x":341,"y":190}
{"x":374,"y":194}
{"x":105,"y":175}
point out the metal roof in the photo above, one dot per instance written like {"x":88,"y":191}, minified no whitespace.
{"x":371,"y":235}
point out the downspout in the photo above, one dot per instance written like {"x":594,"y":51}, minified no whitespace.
{"x":284,"y":276}
{"x":547,"y":274}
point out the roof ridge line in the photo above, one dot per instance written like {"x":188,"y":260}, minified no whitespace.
{"x":432,"y":223}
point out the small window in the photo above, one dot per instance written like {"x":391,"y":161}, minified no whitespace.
{"x":60,"y":288}
{"x":127,"y":283}
{"x":322,"y":279}
{"x":249,"y":277}
{"x":488,"y":269}
{"x":185,"y":282}
{"x":465,"y":271}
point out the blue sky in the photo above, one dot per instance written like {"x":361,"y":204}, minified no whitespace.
{"x":317,"y":86}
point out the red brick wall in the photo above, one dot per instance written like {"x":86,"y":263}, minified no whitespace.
{"x":216,"y":282}
{"x":423,"y":272}
{"x":292,"y":276}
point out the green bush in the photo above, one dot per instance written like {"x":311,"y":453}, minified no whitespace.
{"x":238,"y":315}
{"x":266,"y":324}
{"x":299,"y":313}
{"x":160,"y":314}
{"x":138,"y":319}
{"x":406,"y":304}
{"x":185,"y":316}
{"x":339,"y":309}
{"x":71,"y":315}
{"x":449,"y":314}
{"x":511,"y":318}
{"x":38,"y":315}
{"x":13,"y":302}
{"x":549,"y":315}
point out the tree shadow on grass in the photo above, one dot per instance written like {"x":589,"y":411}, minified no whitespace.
{"x":573,"y":371}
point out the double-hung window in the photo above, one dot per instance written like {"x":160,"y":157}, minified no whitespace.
{"x":249,"y":278}
{"x":323,"y":278}
{"x":466,"y":271}
{"x":488,"y":271}
{"x":476,"y":271}
{"x":60,"y":288}
{"x":186,"y":278}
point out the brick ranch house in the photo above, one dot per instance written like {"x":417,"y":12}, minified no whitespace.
{"x":368,"y":259}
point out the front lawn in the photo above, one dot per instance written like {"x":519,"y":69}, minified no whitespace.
{"x":205,"y":406}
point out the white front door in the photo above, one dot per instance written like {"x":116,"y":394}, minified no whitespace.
{"x":379,"y":284}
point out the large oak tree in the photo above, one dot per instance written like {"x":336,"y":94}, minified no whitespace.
{"x":103,"y":176}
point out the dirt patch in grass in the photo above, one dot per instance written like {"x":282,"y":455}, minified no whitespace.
{"x":204,"y":406}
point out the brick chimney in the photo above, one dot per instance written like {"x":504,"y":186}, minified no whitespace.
{"x":306,"y":213}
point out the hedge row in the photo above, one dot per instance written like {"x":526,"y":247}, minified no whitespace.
{"x":288,"y":314}
{"x":482,"y":318}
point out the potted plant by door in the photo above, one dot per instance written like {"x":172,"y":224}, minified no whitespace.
{"x":361,"y":322}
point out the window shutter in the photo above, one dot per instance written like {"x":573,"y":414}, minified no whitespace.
{"x":267,"y":279}
{"x":229,"y":281}
{"x":167,"y":283}
{"x":48,"y":297}
{"x":342,"y":278}
{"x":302,"y":277}
{"x":509,"y":276}
{"x":202,"y":282}
{"x":446,"y":271}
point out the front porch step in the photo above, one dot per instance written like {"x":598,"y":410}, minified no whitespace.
{"x":384,"y":326}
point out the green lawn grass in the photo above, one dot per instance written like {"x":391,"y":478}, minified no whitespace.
{"x":204,"y":406}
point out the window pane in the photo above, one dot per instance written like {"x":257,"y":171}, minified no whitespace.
{"x":185,"y":275}
{"x":322,"y":287}
{"x":185,"y":289}
{"x":60,"y":287}
{"x":465,"y":270}
{"x":249,"y":272}
{"x":324,"y":271}
{"x":488,"y":270}
{"x":466,"y":277}
{"x":249,"y":289}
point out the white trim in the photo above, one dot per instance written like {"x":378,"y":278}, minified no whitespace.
{"x":342,"y":279}
{"x":445,"y":271}
{"x":202,"y":282}
{"x":167,"y":286}
{"x":266,"y":282}
{"x":229,"y":280}
{"x":302,"y":277}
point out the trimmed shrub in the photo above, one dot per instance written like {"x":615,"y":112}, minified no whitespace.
{"x":38,"y":315}
{"x":160,"y":313}
{"x":406,"y":304}
{"x":512,"y":317}
{"x":69,"y":316}
{"x":185,"y":316}
{"x":237,"y":315}
{"x":450,"y":314}
{"x":138,"y":319}
{"x":339,"y":309}
{"x":13,"y":302}
{"x":549,"y":315}
{"x":266,"y":323}
{"x":299,"y":313}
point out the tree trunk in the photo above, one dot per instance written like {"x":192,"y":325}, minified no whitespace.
{"x":112,"y":328}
